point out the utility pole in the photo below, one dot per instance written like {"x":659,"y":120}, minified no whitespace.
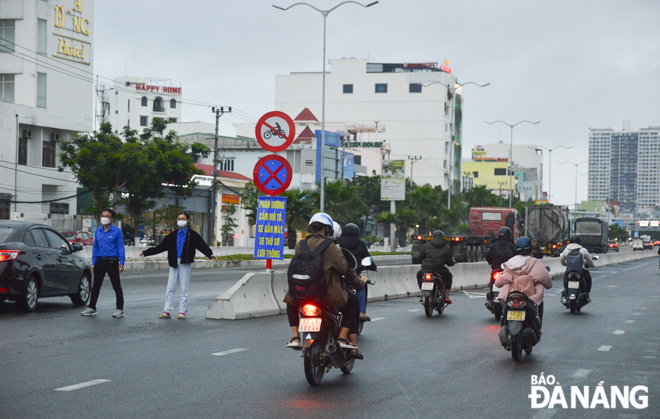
{"x":413,"y":160}
{"x":214,"y":187}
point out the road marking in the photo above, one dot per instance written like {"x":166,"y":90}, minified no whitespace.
{"x":605,"y":348}
{"x":637,"y":314}
{"x":629,"y":322}
{"x":417,"y":309}
{"x":612,"y":286}
{"x":619,"y":332}
{"x":231,"y":351}
{"x":82,"y":385}
{"x":545,"y":414}
{"x":581,"y":373}
{"x":649,"y":357}
{"x":475,"y":294}
{"x":378,"y":318}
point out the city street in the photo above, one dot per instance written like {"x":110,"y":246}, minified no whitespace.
{"x":58,"y":364}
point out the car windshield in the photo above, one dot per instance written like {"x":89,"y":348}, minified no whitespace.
{"x":69,"y":235}
{"x":5,"y":233}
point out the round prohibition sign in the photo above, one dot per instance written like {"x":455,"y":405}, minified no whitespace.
{"x":275,"y":131}
{"x":272,"y":174}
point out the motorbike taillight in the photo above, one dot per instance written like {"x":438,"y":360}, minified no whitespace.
{"x":310,"y":310}
{"x":517,"y":302}
{"x":428,"y":277}
{"x":495,"y":275}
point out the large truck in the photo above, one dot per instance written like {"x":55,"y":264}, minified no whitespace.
{"x":593,"y":232}
{"x":483,"y":224}
{"x":548,"y":226}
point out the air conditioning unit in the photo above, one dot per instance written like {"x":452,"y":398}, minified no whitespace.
{"x":27,"y":133}
{"x":54,"y":136}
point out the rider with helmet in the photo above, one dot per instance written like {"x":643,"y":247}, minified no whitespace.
{"x":502,"y":250}
{"x":336,"y":232}
{"x":334,"y":266}
{"x":575,"y":243}
{"x":435,"y":256}
{"x":350,"y":240}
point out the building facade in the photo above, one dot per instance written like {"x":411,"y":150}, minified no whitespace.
{"x":46,"y":97}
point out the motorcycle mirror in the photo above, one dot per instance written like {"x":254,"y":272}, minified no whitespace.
{"x":350,"y":259}
{"x":595,"y":257}
{"x":368,"y":261}
{"x":548,"y":268}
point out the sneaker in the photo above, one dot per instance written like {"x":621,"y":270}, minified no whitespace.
{"x":294,"y":343}
{"x":181,"y":316}
{"x":88,"y":312}
{"x":118,"y":313}
{"x":448,"y":301}
{"x":164,"y":315}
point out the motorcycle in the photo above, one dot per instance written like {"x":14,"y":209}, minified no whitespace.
{"x":433,"y":291}
{"x":366,"y":263}
{"x":574,"y":297}
{"x":492,"y":303}
{"x":520,"y":325}
{"x":319,"y":331}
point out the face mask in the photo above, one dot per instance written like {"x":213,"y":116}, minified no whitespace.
{"x":105,"y":221}
{"x":182,"y":223}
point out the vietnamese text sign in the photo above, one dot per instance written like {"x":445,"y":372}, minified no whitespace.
{"x":393,"y":181}
{"x":271,"y":216}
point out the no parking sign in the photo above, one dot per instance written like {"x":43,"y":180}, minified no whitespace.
{"x":275,"y":131}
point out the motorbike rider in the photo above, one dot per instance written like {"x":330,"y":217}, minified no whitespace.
{"x":435,"y":256}
{"x":502,"y":250}
{"x":336,"y":233}
{"x":575,"y":242}
{"x":350,"y":240}
{"x":517,"y":268}
{"x":334,"y":266}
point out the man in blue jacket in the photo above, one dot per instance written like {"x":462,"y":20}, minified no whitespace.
{"x":107,"y":257}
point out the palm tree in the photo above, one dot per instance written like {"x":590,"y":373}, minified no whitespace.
{"x":299,"y":209}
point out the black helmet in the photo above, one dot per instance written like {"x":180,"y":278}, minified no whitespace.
{"x":351,"y":230}
{"x":438,"y":234}
{"x":524,"y":246}
{"x":575,"y":238}
{"x":505,"y":233}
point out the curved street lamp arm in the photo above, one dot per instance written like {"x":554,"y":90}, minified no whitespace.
{"x":554,"y":148}
{"x":471,"y":82}
{"x":299,"y":4}
{"x":323,"y":12}
{"x":574,"y":164}
{"x":512,"y":126}
{"x":354,"y":2}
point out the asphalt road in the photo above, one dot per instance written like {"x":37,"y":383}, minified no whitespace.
{"x":447,"y":366}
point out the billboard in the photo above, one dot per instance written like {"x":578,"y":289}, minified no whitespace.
{"x":393,"y":180}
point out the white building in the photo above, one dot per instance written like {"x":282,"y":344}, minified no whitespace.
{"x":529,"y":183}
{"x":420,"y":120}
{"x":136,"y":101}
{"x":46,"y":96}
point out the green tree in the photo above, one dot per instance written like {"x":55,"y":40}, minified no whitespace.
{"x":250,"y":202}
{"x":618,"y":233}
{"x":343,"y":202}
{"x":228,"y":223}
{"x":300,"y":206}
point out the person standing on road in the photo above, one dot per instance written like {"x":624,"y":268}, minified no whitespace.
{"x":181,"y":246}
{"x":108,"y":256}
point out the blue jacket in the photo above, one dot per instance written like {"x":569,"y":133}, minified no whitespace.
{"x":108,"y":244}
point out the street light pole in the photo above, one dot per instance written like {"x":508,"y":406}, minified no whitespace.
{"x":550,"y":167}
{"x":325,"y":14}
{"x":512,"y":126}
{"x":576,"y":166}
{"x":413,"y":160}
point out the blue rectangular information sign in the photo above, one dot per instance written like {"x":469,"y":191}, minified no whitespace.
{"x":271,"y":216}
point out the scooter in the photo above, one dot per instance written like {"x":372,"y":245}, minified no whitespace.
{"x":520,"y":325}
{"x":369,"y":262}
{"x":573,"y":296}
{"x":433,"y":293}
{"x":492,"y":303}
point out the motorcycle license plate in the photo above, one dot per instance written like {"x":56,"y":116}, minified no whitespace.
{"x":515,"y":315}
{"x":312,"y":324}
{"x":427,"y":286}
{"x":496,"y":288}
{"x":573,"y":285}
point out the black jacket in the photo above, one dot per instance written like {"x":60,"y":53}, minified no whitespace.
{"x":359,"y":249}
{"x":193,"y":242}
{"x":435,"y":255}
{"x":500,"y":251}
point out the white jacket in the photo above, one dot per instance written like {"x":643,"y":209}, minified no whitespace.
{"x":585,"y":254}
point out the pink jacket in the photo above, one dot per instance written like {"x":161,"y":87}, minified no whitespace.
{"x":535,"y":269}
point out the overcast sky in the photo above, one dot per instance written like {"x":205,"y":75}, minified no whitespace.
{"x":571,"y":64}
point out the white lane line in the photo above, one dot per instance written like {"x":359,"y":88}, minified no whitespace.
{"x":649,"y":357}
{"x":545,"y":414}
{"x":612,"y":286}
{"x":629,"y":322}
{"x":475,"y":294}
{"x":605,"y":348}
{"x":82,"y":385}
{"x":417,"y":309}
{"x":231,"y":351}
{"x":581,"y":373}
{"x":619,"y":332}
{"x":378,"y":318}
{"x":637,"y":314}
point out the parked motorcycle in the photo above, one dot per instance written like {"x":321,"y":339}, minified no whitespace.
{"x":433,"y":291}
{"x":319,"y":330}
{"x":573,"y":296}
{"x":492,"y":303}
{"x":520,"y":325}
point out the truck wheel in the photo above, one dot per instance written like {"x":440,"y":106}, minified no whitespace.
{"x":468,"y":254}
{"x":479,"y":254}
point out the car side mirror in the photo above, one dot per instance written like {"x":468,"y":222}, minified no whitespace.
{"x":368,"y":261}
{"x":77,"y":247}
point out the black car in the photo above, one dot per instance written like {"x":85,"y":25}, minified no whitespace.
{"x":36,"y":261}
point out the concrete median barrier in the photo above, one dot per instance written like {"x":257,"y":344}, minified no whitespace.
{"x":251,"y":296}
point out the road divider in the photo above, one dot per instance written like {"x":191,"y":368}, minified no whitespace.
{"x":260,"y":294}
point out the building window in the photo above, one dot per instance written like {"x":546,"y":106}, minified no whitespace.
{"x":415,"y":88}
{"x":173,"y":104}
{"x":381,"y":87}
{"x":475,"y":174}
{"x":7,"y":88}
{"x":41,"y":90}
{"x":357,"y":160}
{"x":348,"y":88}
{"x":59,"y":208}
{"x":227,"y":165}
{"x":7,"y":36}
{"x":144,"y":120}
{"x":4,"y":207}
{"x":309,"y":163}
{"x":500,"y":172}
{"x":22,"y":151}
{"x":48,"y":157}
{"x":42,"y":37}
{"x":173,"y":120}
{"x":144,"y":101}
{"x":158,"y":104}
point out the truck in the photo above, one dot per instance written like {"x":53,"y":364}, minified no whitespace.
{"x":646,"y":242}
{"x":548,"y":226}
{"x":593,"y":232}
{"x":483,"y":224}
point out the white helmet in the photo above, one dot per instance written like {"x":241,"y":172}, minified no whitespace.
{"x":336,"y":231}
{"x":321,"y":217}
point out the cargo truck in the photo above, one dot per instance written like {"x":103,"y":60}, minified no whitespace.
{"x":593,"y":232}
{"x":548,"y":226}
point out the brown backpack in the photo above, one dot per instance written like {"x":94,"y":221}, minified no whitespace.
{"x":523,"y":282}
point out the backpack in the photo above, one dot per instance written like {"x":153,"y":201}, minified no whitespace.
{"x":574,"y":261}
{"x":523,"y":282}
{"x":501,"y":254}
{"x":305,"y":274}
